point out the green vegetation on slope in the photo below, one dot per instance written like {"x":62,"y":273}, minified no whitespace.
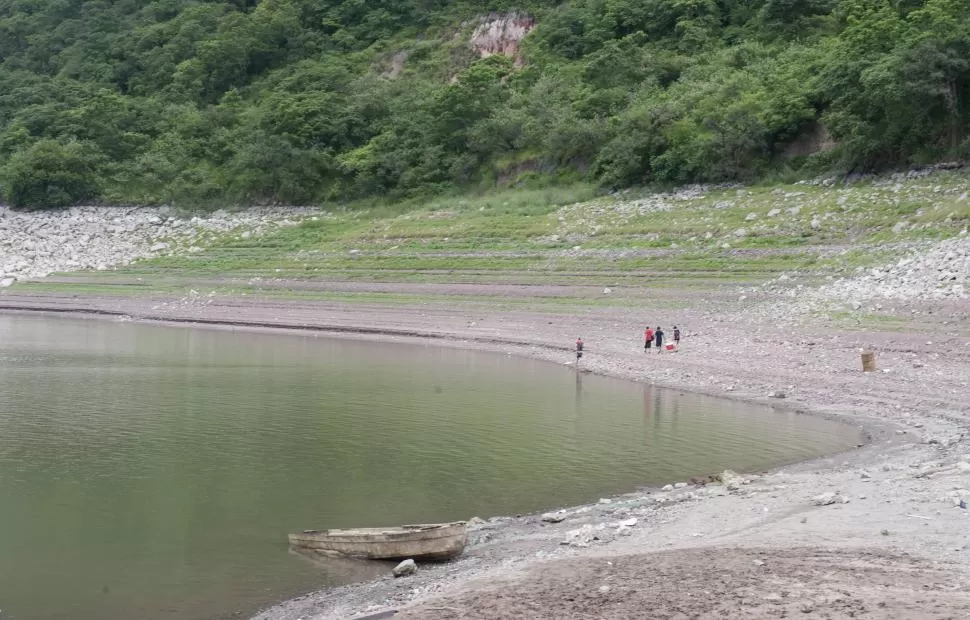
{"x":733,"y":236}
{"x":301,"y":101}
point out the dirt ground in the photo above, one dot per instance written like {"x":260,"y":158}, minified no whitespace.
{"x":891,"y":543}
{"x":730,"y":583}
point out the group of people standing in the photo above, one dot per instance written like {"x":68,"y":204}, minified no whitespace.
{"x":651,"y":336}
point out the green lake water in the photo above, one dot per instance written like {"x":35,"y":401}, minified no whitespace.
{"x":152,"y":472}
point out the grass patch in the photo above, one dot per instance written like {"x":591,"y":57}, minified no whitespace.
{"x":571,"y":235}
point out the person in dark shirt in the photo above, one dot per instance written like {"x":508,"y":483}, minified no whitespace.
{"x":676,"y":335}
{"x":579,"y":349}
{"x":659,"y":337}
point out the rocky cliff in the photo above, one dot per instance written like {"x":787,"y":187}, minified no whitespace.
{"x":502,"y":33}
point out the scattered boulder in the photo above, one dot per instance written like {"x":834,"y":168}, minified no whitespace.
{"x":827,"y":499}
{"x":579,"y":537}
{"x":405,"y":568}
{"x":554,"y":517}
{"x":779,"y":394}
{"x":731,"y":480}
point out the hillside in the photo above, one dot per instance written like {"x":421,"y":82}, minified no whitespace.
{"x":850,"y":249}
{"x":305,"y":101}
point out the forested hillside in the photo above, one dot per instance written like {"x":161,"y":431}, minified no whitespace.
{"x":299,"y":101}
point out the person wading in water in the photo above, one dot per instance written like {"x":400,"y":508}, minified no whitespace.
{"x":659,"y":336}
{"x":647,"y":338}
{"x":579,"y":349}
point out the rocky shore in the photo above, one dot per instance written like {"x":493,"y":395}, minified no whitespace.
{"x":933,"y":272}
{"x":37,"y":244}
{"x":878,"y":532}
{"x":879,"y":529}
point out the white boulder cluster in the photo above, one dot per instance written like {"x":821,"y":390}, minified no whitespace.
{"x":938,"y":273}
{"x":37,"y":244}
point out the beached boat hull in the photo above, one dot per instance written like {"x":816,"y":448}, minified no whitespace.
{"x":439,"y":541}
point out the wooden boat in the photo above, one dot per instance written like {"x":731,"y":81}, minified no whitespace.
{"x":435,"y":541}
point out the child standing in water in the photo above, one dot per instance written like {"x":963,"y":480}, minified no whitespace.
{"x":659,"y":336}
{"x":579,"y":349}
{"x":647,"y":338}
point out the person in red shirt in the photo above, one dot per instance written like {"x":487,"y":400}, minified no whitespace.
{"x":647,"y":338}
{"x":579,"y":349}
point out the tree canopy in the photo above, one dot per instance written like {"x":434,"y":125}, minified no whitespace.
{"x":303,"y":101}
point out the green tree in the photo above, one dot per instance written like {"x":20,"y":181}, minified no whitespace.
{"x":51,"y":174}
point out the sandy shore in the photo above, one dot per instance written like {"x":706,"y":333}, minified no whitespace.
{"x":890,"y":542}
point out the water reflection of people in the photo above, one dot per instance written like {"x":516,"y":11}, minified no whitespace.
{"x":651,"y":413}
{"x":646,"y":413}
{"x":675,"y":410}
{"x":579,"y":391}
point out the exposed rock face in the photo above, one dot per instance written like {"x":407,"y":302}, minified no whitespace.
{"x":502,"y":33}
{"x":396,"y":64}
{"x":815,"y":139}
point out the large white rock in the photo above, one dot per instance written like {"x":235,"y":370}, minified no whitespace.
{"x":405,"y":568}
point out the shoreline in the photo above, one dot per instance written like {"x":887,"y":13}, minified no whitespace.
{"x":483,"y":345}
{"x":516,"y":551}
